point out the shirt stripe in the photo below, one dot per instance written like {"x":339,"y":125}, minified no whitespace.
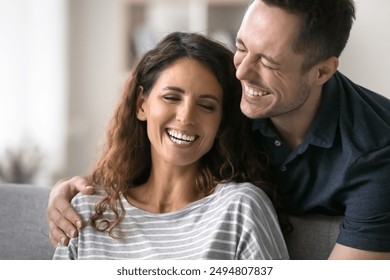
{"x":237,"y":221}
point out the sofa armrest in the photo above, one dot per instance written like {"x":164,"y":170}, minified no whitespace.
{"x":24,"y":229}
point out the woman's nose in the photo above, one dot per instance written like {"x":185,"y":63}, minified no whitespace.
{"x":186,"y":114}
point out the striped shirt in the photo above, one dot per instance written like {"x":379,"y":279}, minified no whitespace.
{"x":237,"y":221}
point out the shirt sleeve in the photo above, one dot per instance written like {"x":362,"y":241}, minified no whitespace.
{"x":66,"y":252}
{"x":261,"y":237}
{"x":367,"y":215}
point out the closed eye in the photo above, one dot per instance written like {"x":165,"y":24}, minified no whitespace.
{"x":267,"y":67}
{"x":171,"y":98}
{"x":240,"y":47}
{"x":266,"y":61}
{"x":208,"y":107}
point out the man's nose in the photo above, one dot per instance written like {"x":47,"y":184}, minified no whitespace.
{"x":244,"y":69}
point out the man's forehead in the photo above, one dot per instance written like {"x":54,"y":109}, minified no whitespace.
{"x":270,"y":24}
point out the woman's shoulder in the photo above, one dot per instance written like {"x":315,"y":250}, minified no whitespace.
{"x":87,"y":201}
{"x":240,"y":188}
{"x":244,"y":192}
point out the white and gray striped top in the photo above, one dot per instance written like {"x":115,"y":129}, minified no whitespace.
{"x":237,"y":221}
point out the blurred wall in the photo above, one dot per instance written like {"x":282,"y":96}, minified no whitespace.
{"x":95,"y":77}
{"x":366,"y":59}
{"x":33,"y":89}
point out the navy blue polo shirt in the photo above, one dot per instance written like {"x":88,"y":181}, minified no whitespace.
{"x":342,"y":166}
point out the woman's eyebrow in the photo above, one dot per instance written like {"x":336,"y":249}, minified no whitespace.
{"x":180,"y":90}
{"x":210,"y":96}
{"x":173,"y":88}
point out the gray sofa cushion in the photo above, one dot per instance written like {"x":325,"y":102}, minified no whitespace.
{"x":23,"y":225}
{"x":314,"y":236}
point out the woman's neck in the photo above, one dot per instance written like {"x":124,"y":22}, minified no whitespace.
{"x":165,"y":191}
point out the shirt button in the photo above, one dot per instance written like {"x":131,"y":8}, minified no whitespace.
{"x":277,"y":143}
{"x":283,"y":168}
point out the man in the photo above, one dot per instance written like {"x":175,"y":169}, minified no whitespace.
{"x":328,"y":139}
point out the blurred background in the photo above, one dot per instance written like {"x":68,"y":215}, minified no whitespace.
{"x":63,"y":64}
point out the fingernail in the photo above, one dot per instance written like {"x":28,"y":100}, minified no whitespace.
{"x":72,"y":233}
{"x":63,"y":241}
{"x":78,"y":224}
{"x":89,"y":187}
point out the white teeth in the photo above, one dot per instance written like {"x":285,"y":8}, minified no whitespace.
{"x":180,"y":138}
{"x":252,"y":92}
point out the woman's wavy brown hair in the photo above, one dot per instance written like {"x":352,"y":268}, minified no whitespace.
{"x":126,"y":160}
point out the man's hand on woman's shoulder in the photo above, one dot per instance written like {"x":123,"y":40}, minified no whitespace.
{"x":63,"y":220}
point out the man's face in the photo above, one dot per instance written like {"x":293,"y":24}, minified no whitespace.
{"x":273,"y":82}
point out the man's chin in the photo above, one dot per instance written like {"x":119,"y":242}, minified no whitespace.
{"x":252,"y":111}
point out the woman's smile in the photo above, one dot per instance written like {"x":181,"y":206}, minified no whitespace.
{"x":181,"y":138}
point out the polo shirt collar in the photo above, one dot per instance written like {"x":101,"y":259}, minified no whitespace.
{"x":324,"y":127}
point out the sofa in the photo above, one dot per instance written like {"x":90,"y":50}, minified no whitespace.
{"x":24,"y":230}
{"x":23,"y":225}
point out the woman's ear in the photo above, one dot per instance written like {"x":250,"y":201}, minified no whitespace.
{"x":141,"y":115}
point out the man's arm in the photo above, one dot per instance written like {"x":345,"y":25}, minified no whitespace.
{"x":63,"y":220}
{"x":366,"y":222}
{"x":341,"y":252}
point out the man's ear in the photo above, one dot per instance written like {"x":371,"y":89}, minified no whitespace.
{"x":326,"y":69}
{"x":141,"y":115}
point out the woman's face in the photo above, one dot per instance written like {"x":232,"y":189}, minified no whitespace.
{"x":183,"y":112}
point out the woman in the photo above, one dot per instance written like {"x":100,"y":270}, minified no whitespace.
{"x":177,"y":176}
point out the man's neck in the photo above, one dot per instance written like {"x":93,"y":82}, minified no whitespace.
{"x":292,"y":127}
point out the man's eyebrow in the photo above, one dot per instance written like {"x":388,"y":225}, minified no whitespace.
{"x":239,"y":41}
{"x":270,"y":59}
{"x":267,"y":57}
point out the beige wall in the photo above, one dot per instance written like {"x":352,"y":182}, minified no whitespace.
{"x":366,"y":59}
{"x":94,"y":77}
